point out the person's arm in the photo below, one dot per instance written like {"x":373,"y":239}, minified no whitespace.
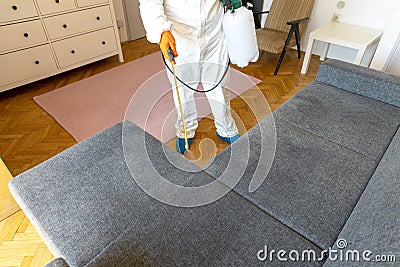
{"x":154,"y":20}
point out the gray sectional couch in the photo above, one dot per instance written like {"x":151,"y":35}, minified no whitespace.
{"x":330,"y":196}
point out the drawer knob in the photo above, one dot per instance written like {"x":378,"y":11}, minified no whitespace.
{"x":98,"y":18}
{"x":65,"y":26}
{"x":104,"y":42}
{"x":57,"y":1}
{"x":72,"y":51}
{"x":37,"y":62}
{"x":26,"y":34}
{"x":14,"y":7}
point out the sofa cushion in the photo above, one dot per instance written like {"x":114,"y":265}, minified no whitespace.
{"x":313,"y":184}
{"x":359,"y":123}
{"x":364,"y":81}
{"x":374,"y":222}
{"x":85,"y":197}
{"x":58,"y":262}
{"x":228,"y":232}
{"x":90,"y":211}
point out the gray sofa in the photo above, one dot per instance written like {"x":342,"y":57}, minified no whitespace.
{"x":330,"y":194}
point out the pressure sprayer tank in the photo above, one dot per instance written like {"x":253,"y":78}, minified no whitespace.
{"x":240,"y":35}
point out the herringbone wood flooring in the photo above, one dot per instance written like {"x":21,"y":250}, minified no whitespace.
{"x":29,"y":136}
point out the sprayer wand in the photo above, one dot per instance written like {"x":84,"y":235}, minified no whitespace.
{"x":171,"y":59}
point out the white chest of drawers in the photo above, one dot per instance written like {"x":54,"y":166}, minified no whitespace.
{"x":41,"y":38}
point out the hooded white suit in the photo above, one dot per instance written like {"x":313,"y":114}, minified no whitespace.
{"x":202,"y":55}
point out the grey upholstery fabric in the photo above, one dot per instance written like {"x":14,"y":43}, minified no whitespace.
{"x":91,"y":211}
{"x":83,"y":198}
{"x":371,"y":83}
{"x":58,"y":262}
{"x":313,"y":184}
{"x":228,"y":232}
{"x":375,"y":222}
{"x":359,"y":123}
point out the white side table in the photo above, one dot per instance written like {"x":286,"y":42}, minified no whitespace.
{"x":351,"y":36}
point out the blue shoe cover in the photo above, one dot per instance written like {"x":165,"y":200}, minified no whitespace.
{"x":230,"y":140}
{"x":180,"y":144}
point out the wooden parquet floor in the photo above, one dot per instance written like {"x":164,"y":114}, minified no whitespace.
{"x":29,"y":136}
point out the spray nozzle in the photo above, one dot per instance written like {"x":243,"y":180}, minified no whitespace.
{"x":231,"y":5}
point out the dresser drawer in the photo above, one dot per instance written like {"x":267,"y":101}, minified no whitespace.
{"x":17,"y":9}
{"x":54,"y":6}
{"x":21,"y":35}
{"x":84,"y":47}
{"x":82,"y":3}
{"x":25,"y":64}
{"x":77,"y":22}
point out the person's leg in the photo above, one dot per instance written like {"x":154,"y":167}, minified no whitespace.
{"x":187,"y":73}
{"x":189,"y":112}
{"x":219,"y":97}
{"x":223,"y":120}
{"x":215,"y":56}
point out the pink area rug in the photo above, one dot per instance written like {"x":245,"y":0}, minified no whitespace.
{"x":89,"y":106}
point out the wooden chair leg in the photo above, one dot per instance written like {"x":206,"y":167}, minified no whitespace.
{"x":280,"y":61}
{"x":284,"y":51}
{"x":297,"y":35}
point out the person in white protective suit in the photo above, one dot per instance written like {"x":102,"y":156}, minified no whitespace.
{"x":193,"y":29}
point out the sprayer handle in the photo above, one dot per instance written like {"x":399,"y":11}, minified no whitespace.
{"x":170,"y":55}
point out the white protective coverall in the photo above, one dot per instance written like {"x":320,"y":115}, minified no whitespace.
{"x":202,"y":56}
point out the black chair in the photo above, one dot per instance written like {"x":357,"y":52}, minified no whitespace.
{"x":285,"y":18}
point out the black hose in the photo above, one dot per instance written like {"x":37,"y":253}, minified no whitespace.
{"x":191,"y":88}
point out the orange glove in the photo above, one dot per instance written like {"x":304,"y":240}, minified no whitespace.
{"x":168,"y":42}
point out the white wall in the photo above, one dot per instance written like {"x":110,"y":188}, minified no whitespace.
{"x":368,"y":13}
{"x":389,"y":42}
{"x":119,"y":13}
{"x":394,"y":62}
{"x":266,"y":6}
